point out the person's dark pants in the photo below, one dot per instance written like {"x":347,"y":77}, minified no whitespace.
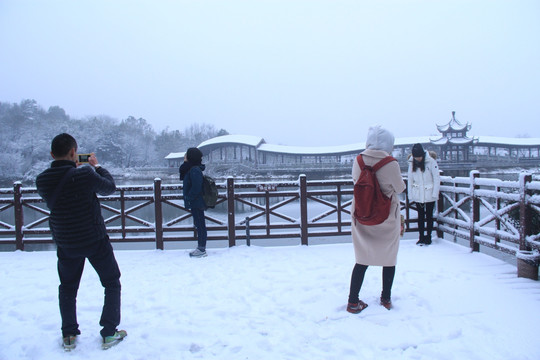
{"x":357,"y":278}
{"x":425,"y":215}
{"x":70,"y":269}
{"x":200,"y":225}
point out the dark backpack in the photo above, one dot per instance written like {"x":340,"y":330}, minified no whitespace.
{"x":371,"y":206}
{"x":210,"y":192}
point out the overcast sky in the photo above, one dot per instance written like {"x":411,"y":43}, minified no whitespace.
{"x":294,"y":72}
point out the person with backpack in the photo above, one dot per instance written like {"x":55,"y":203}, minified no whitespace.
{"x":375,"y":229}
{"x":191,"y":173}
{"x":423,"y":188}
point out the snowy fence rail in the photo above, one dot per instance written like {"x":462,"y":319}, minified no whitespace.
{"x":155,"y":213}
{"x":487,"y":212}
{"x":502,"y":215}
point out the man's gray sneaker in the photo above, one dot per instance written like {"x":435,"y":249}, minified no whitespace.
{"x":69,"y":342}
{"x":110,"y":341}
{"x":198,"y":253}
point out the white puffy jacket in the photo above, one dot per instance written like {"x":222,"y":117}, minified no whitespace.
{"x":424,"y":186}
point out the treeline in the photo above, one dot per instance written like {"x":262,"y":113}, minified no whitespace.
{"x":27,"y":130}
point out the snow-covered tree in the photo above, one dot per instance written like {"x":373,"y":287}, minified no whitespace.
{"x":27,"y":131}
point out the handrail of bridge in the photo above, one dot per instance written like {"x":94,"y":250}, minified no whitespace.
{"x":494,"y":213}
{"x":298,"y":209}
{"x":168,"y":220}
{"x":473,"y":208}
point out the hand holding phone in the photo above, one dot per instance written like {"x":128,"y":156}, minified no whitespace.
{"x":83,"y":158}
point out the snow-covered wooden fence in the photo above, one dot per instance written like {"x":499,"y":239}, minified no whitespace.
{"x":298,"y":209}
{"x":502,"y":215}
{"x":487,"y":212}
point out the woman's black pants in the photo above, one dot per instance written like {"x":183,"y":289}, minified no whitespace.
{"x":425,"y":215}
{"x":357,"y":279}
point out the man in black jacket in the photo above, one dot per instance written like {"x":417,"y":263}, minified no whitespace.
{"x":78,"y":229}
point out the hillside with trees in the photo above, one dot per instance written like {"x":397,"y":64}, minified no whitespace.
{"x":27,"y":131}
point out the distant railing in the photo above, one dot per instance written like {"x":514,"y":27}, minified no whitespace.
{"x":480,"y":210}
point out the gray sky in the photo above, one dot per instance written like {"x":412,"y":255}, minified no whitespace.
{"x":294,"y":72}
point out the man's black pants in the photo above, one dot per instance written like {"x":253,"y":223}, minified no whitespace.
{"x":70,"y":269}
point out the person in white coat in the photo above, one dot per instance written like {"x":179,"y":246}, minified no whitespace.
{"x":423,"y":189}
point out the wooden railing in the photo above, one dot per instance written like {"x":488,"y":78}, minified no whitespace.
{"x":494,"y":213}
{"x":274,"y":210}
{"x":479,"y":210}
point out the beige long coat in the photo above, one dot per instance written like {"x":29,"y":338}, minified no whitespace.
{"x":379,"y":244}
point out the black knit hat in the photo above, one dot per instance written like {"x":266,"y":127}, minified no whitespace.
{"x":194,"y":156}
{"x":417,"y":150}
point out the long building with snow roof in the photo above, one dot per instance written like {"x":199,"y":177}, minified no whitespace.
{"x":454,"y":149}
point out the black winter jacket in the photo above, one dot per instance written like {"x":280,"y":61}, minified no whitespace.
{"x":76,"y":219}
{"x":193,"y":188}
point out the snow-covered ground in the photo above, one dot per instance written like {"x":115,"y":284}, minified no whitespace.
{"x":275,"y":303}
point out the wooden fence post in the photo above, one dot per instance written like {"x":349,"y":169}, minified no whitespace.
{"x":339,"y":215}
{"x":230,"y":212}
{"x":19,"y":217}
{"x":267,"y":211}
{"x":456,"y":216}
{"x":158,"y":214}
{"x":497,"y":220}
{"x":407,"y":206}
{"x":440,"y":205}
{"x":475,"y":210}
{"x":123,"y":213}
{"x":303,"y":210}
{"x":526,"y":269}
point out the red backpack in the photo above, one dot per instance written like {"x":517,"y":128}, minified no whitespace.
{"x":371,"y":206}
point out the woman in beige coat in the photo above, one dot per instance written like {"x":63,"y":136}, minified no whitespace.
{"x":377,"y":244}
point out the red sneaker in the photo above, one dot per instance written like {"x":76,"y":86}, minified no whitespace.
{"x":387,"y":303}
{"x":355,"y":308}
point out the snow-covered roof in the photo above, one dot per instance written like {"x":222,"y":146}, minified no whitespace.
{"x":454,"y":140}
{"x":441,"y":141}
{"x":509,"y":141}
{"x":260,"y":144}
{"x":312,"y":150}
{"x":340,"y":149}
{"x":455,"y":127}
{"x":453,"y":124}
{"x":234,"y":139}
{"x":175,"y":155}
